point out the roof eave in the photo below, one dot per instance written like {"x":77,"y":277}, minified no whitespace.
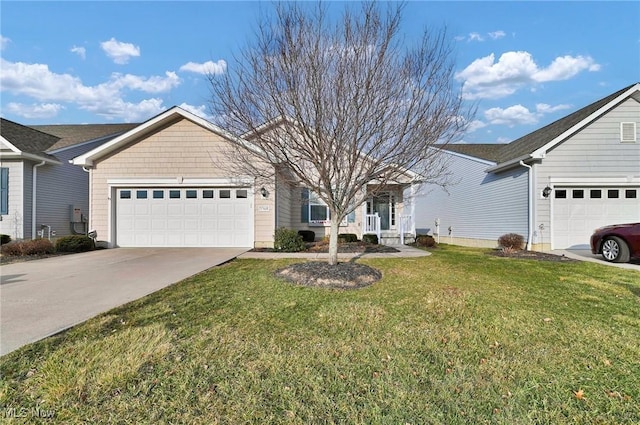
{"x":29,"y":156}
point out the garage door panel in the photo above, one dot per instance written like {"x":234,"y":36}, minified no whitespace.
{"x":579,"y":211}
{"x":162,"y":220}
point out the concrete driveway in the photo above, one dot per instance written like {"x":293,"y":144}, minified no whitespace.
{"x":586,"y":255}
{"x":43,"y":297}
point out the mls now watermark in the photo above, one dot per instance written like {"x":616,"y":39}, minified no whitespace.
{"x":28,"y":412}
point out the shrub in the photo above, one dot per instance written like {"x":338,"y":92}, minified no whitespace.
{"x":425,"y":241}
{"x":4,"y":239}
{"x":347,"y":237}
{"x":287,"y":240}
{"x":372,"y":239}
{"x":307,"y":235}
{"x":75,"y":243}
{"x":34,"y":247}
{"x":511,"y":241}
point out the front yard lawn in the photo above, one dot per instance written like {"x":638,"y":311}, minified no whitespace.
{"x":460,"y":337}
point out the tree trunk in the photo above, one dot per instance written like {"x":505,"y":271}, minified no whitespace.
{"x":333,"y":242}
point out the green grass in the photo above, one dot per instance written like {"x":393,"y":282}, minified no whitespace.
{"x":455,"y":338}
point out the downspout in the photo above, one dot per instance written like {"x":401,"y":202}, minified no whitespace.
{"x":34,"y":192}
{"x":530,"y":205}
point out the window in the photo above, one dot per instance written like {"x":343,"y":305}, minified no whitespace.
{"x":613,"y":193}
{"x":125,"y":194}
{"x":207,"y":194}
{"x":578,"y":194}
{"x":4,"y":190}
{"x":628,"y":132}
{"x":561,"y":194}
{"x":313,"y":210}
{"x":241,"y":194}
{"x":192,"y":194}
{"x":141,"y":194}
{"x":225,"y":194}
{"x":158,"y":194}
{"x":630,"y":194}
{"x":596,"y":193}
{"x":174,"y":194}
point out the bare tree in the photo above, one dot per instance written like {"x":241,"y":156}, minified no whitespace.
{"x":350,"y":104}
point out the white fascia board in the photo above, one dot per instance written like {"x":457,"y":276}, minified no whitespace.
{"x":9,"y":145}
{"x":595,"y":181}
{"x":543,"y":150}
{"x":28,"y":156}
{"x":88,"y":158}
{"x":509,"y":164}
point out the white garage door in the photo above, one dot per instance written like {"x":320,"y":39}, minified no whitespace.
{"x":578,"y":211}
{"x":184,"y":217}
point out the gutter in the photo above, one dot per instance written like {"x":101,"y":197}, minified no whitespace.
{"x":530,"y":206}
{"x":34,"y":197}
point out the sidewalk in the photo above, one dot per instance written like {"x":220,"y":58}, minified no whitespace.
{"x":404,"y":251}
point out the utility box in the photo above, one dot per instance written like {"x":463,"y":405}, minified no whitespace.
{"x":76,"y":214}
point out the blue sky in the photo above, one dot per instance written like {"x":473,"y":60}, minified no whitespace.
{"x":523,"y":64}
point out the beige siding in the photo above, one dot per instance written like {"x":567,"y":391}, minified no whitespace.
{"x":181,"y":150}
{"x":13,"y":223}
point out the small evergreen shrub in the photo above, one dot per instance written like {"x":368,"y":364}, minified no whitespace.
{"x":426,"y":241}
{"x":287,"y":240}
{"x":307,"y":235}
{"x":347,"y":237}
{"x":372,"y":239}
{"x":34,"y":247}
{"x":4,"y":239}
{"x":511,"y":241}
{"x":75,"y":243}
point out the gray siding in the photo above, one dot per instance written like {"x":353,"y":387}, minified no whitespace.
{"x":478,"y":206}
{"x":592,"y":154}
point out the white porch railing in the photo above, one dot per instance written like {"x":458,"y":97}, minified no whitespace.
{"x":372,"y":225}
{"x":407,"y":226}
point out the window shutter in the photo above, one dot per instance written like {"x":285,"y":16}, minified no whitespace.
{"x":4,"y":191}
{"x":628,"y":132}
{"x":304,"y":206}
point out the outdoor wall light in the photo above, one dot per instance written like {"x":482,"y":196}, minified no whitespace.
{"x":264,"y":192}
{"x":546,"y":192}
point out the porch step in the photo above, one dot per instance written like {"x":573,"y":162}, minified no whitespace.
{"x":395,"y":240}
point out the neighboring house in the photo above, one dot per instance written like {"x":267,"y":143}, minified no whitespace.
{"x":553,"y":186}
{"x":159,"y":185}
{"x":40,"y":188}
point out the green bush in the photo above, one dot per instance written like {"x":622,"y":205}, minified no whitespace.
{"x":372,"y":239}
{"x":425,"y":241}
{"x":75,"y":243}
{"x":347,"y":237}
{"x":511,"y":241}
{"x":287,"y":240}
{"x":307,"y":235}
{"x":34,"y":247}
{"x":4,"y":239}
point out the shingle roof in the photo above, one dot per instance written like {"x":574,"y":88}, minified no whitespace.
{"x":27,"y":139}
{"x":488,"y":151}
{"x":72,"y":134}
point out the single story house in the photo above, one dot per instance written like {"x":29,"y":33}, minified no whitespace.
{"x":554,"y":186}
{"x":42,"y":194}
{"x":158,"y":185}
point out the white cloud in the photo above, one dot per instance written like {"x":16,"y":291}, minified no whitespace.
{"x":206,"y":68}
{"x":105,"y":99}
{"x":4,"y":41}
{"x":543,"y":108}
{"x":476,"y":125}
{"x":497,"y":34}
{"x":80,"y":51}
{"x":120,"y":52}
{"x":43,"y":110}
{"x":200,"y":111}
{"x":518,"y":114}
{"x":474,"y":36}
{"x":486,"y":78}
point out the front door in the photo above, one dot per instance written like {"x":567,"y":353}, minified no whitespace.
{"x":384,"y":205}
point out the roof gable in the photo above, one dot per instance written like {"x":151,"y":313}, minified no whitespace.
{"x":26,"y":142}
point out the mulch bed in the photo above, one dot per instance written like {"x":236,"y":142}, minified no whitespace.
{"x":532,"y":255}
{"x":321,"y":274}
{"x":344,"y":248}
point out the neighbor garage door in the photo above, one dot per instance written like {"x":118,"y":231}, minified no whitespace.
{"x":184,"y":217}
{"x":578,"y":211}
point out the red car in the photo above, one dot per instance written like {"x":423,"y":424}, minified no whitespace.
{"x":617,"y":243}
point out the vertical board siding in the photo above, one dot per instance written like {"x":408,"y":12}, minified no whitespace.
{"x":593,"y":153}
{"x":478,"y":205}
{"x":182,"y":149}
{"x":12,"y":224}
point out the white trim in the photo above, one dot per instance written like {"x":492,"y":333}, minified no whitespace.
{"x":591,"y":181}
{"x":9,"y":145}
{"x":181,"y":182}
{"x":28,"y":156}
